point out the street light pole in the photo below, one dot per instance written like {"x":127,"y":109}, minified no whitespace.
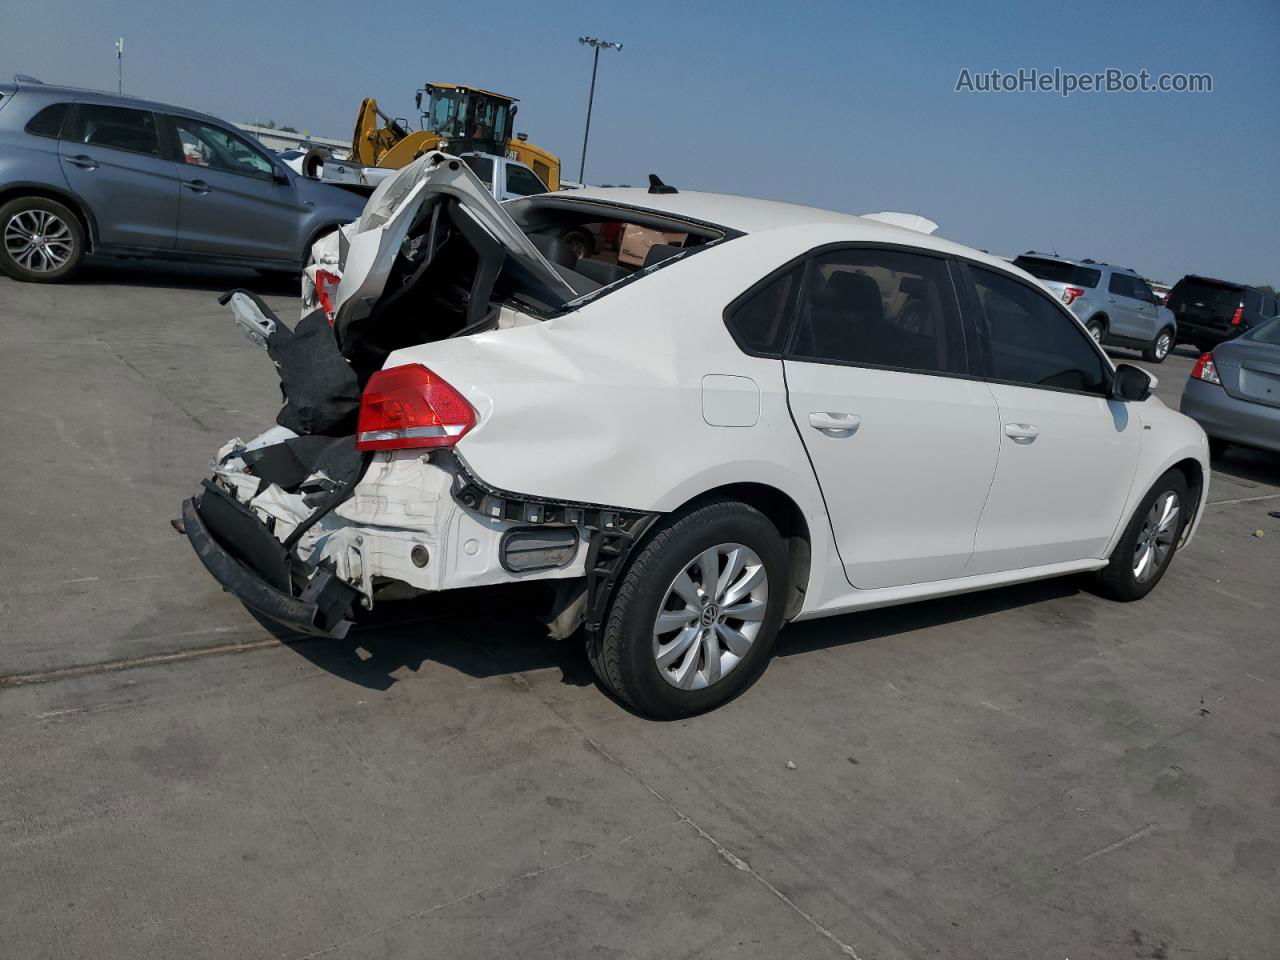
{"x":595,"y":65}
{"x":120,"y":65}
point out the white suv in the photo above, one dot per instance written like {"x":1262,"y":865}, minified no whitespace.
{"x":783,"y":413}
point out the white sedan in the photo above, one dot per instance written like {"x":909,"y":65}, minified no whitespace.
{"x":735,"y":415}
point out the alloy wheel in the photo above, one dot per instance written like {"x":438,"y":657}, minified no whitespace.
{"x":1095,"y":331}
{"x":711,"y":615}
{"x":38,"y":240}
{"x":1155,"y":539}
{"x":1164,"y":343}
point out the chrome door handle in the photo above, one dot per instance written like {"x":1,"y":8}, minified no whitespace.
{"x":835,"y":424}
{"x":82,"y":161}
{"x":1021,"y":432}
{"x":1111,"y":299}
{"x":196,"y":186}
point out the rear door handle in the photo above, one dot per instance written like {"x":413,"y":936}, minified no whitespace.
{"x":835,"y":424}
{"x":83,"y":161}
{"x":1021,"y":432}
{"x":196,"y":186}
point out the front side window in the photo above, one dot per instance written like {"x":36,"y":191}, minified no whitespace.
{"x":522,"y":182}
{"x":761,"y":320}
{"x":881,"y":308}
{"x":1032,"y":342}
{"x":119,"y":128}
{"x":218,"y":149}
{"x":48,"y":121}
{"x":482,"y":167}
{"x":1121,"y":285}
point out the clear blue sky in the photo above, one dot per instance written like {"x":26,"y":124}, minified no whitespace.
{"x":847,"y":105}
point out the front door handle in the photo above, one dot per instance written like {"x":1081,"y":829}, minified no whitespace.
{"x":835,"y":424}
{"x":1021,"y":432}
{"x":83,"y":161}
{"x":196,"y":186}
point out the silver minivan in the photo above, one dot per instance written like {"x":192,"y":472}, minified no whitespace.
{"x":1115,"y":304}
{"x":83,"y":171}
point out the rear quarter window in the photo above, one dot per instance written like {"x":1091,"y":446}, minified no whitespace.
{"x":48,"y":120}
{"x":761,"y":319}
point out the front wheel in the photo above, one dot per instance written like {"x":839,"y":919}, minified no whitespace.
{"x":695,"y":615}
{"x":1148,"y":543}
{"x":1159,"y":348}
{"x":41,"y":240}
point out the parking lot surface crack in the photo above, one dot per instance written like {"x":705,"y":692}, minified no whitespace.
{"x":724,"y":852}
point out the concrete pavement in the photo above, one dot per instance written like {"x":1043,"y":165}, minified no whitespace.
{"x":1030,"y":772}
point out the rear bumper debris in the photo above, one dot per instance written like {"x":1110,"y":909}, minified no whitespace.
{"x":303,"y":597}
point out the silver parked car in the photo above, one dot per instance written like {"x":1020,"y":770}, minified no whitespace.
{"x":1117,"y":306}
{"x":1234,"y":391}
{"x":84,"y":171}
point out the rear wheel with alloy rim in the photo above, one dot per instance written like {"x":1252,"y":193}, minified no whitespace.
{"x":1147,"y":546}
{"x":696,"y":612}
{"x":1159,"y":348}
{"x":1097,"y":329}
{"x":41,"y":240}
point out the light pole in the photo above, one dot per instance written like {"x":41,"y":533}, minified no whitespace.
{"x":595,"y":64}
{"x":120,"y":65}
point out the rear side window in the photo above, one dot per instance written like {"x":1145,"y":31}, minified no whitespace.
{"x":522,"y":182}
{"x":48,"y":122}
{"x":761,"y":320}
{"x":120,"y":128}
{"x":880,"y":308}
{"x":1030,"y":341}
{"x":1056,"y":271}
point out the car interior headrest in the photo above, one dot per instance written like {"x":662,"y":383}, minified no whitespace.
{"x":659,"y":252}
{"x":554,"y":249}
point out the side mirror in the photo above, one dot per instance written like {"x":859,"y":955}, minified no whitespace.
{"x":1130,"y":383}
{"x":280,"y":177}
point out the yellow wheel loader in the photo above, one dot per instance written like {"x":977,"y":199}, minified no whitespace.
{"x":457,"y":119}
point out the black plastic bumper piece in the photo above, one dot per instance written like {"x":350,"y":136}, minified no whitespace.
{"x":325,"y":602}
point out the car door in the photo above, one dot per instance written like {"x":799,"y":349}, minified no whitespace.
{"x":1119,"y":305}
{"x":902,"y":441}
{"x":1146,"y":312}
{"x":111,"y":157}
{"x":1068,"y":453}
{"x":233,"y":199}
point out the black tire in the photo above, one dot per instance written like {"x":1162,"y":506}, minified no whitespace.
{"x":1217,"y":448}
{"x":626,"y":663}
{"x":1097,"y":328}
{"x":1118,"y":580}
{"x":66,"y":240}
{"x":1152,"y":353}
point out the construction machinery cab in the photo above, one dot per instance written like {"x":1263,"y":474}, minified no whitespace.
{"x":470,"y":119}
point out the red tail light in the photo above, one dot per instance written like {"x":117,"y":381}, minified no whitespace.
{"x":410,"y":406}
{"x":326,"y":290}
{"x":1071,"y":294}
{"x":1238,"y":316}
{"x":1206,"y":370}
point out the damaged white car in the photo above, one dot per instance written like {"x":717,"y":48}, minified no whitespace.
{"x":732,"y":414}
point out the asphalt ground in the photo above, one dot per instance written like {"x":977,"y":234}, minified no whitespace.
{"x":1027,"y":772}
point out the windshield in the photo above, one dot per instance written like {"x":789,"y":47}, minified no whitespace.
{"x":444,"y":113}
{"x":1059,"y":271}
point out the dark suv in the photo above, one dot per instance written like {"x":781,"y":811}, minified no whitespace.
{"x":85,"y":171}
{"x":1211,"y":311}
